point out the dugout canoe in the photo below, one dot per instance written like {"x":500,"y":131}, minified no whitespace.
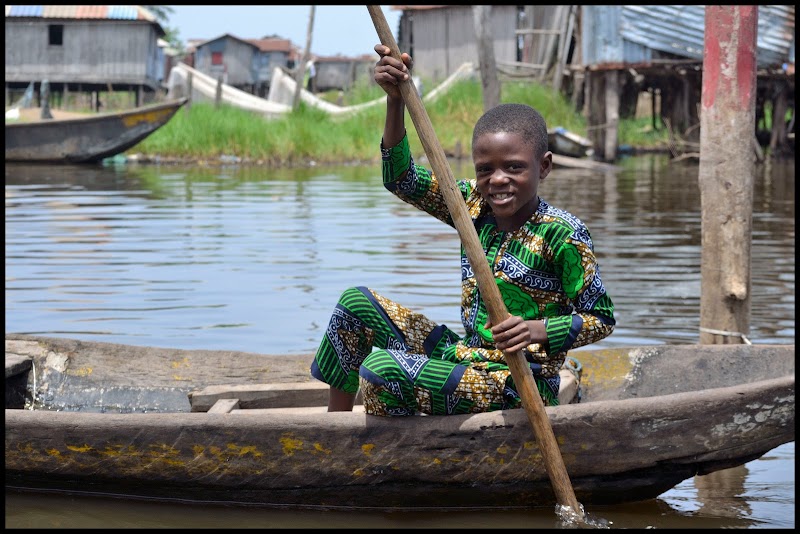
{"x":86,"y":139}
{"x":251,"y":429}
{"x":562,"y":141}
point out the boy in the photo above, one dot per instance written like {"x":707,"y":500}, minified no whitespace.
{"x":542,"y":259}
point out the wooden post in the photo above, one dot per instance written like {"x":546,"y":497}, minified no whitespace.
{"x":482,"y":16}
{"x":218,"y":94}
{"x":595,"y":106}
{"x":778,"y":138}
{"x":563,"y":49}
{"x":189,"y":82}
{"x":45,"y":112}
{"x":726,"y":173}
{"x":301,"y":69}
{"x":612,"y":115}
{"x":578,"y":75}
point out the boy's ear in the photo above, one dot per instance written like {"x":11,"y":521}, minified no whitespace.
{"x":545,"y":165}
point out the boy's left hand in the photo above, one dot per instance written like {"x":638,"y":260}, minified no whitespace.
{"x":511,"y":335}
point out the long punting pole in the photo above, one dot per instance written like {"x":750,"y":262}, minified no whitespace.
{"x":520,"y":372}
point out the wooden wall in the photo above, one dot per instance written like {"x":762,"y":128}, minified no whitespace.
{"x":93,"y":52}
{"x":444,"y":38}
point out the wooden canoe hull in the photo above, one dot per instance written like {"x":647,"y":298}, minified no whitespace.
{"x":619,"y":445}
{"x":87,"y":139}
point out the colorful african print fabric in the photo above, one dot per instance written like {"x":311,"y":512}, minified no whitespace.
{"x":545,"y":270}
{"x":418,"y":367}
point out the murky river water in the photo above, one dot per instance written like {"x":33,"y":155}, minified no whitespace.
{"x":254,"y":260}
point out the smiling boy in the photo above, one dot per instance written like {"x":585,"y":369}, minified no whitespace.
{"x":542,"y":259}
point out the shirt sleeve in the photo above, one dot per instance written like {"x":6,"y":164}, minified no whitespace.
{"x":593,"y":317}
{"x":412,"y":183}
{"x":395,"y":160}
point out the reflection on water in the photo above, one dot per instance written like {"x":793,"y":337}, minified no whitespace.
{"x":254,"y":260}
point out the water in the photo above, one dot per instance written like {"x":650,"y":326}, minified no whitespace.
{"x":254,"y":260}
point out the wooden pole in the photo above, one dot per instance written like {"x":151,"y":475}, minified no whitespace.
{"x":301,"y":69}
{"x":726,"y":173}
{"x":520,"y":371}
{"x":482,"y":18}
{"x":218,"y":94}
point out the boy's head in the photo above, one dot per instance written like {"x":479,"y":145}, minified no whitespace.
{"x":509,"y":152}
{"x":515,"y":118}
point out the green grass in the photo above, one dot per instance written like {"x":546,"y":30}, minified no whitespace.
{"x":203,"y":132}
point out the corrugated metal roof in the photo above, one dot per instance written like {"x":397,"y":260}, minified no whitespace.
{"x":82,"y":12}
{"x":59,"y":12}
{"x":776,"y":32}
{"x":92,"y":12}
{"x":123,"y":12}
{"x":25,"y":11}
{"x":271,"y":45}
{"x":416,"y":8}
{"x":632,"y":34}
{"x":145,"y":14}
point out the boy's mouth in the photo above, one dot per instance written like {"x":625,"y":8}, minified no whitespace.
{"x":500,"y":197}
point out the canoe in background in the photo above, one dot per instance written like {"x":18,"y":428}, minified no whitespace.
{"x":87,"y":139}
{"x":650,"y":417}
{"x":562,"y":141}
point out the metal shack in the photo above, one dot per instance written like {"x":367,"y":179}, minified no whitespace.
{"x":607,"y":54}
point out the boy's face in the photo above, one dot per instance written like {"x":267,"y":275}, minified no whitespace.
{"x":508,"y":175}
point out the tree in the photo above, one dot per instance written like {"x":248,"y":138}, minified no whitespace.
{"x":161,"y":13}
{"x":171,"y":35}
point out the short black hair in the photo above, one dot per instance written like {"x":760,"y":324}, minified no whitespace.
{"x":515,"y":118}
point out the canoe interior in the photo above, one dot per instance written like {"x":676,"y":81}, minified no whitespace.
{"x":75,"y":375}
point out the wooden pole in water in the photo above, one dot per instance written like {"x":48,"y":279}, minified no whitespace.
{"x":301,"y":68}
{"x":726,"y":173}
{"x":520,"y":371}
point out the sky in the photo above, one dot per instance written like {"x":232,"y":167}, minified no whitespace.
{"x":338,"y":30}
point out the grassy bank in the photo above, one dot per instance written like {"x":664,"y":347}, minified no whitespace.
{"x":204,"y":133}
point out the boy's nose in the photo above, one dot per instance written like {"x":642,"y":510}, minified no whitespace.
{"x":498,"y":177}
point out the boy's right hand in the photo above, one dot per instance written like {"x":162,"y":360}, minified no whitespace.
{"x":389,"y":72}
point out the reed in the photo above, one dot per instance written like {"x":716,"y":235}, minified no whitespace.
{"x":307,"y":135}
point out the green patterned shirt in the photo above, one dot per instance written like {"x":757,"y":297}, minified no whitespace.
{"x":545,"y":270}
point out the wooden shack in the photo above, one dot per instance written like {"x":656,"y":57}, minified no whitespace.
{"x":82,"y":50}
{"x":229,"y":58}
{"x":658,"y":49}
{"x":246,"y":64}
{"x":270,"y":52}
{"x":442,"y":38}
{"x":342,"y":73}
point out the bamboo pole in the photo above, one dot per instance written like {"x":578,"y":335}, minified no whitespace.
{"x":301,"y":68}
